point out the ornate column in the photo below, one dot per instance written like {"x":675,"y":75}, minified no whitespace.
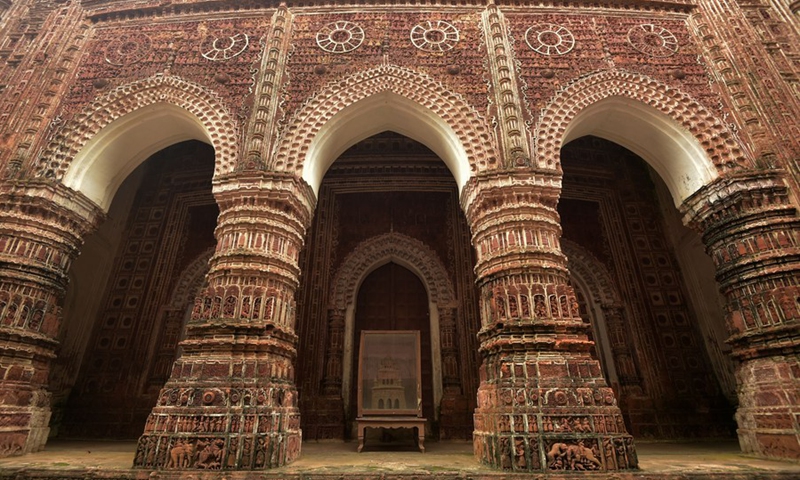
{"x":752,"y":232}
{"x":328,"y":408}
{"x":231,"y":401}
{"x":542,"y":402}
{"x":42,"y":226}
{"x":454,"y":412}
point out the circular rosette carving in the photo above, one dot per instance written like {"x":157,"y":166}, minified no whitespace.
{"x":128,"y":48}
{"x":224,"y":47}
{"x":653,"y":40}
{"x":434,"y":36}
{"x":549,"y":39}
{"x":340,"y":37}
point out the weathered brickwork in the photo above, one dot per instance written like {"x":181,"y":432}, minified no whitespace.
{"x":704,"y":91}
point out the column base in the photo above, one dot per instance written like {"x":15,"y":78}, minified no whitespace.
{"x":24,"y":420}
{"x":23,"y":429}
{"x":455,"y":418}
{"x":188,"y":451}
{"x":769,"y":407}
{"x":221,"y":428}
{"x":550,"y":413}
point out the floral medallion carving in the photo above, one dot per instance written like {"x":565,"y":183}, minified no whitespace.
{"x":653,"y":40}
{"x":224,"y":47}
{"x":434,"y":36}
{"x":340,"y":37}
{"x":550,"y":39}
{"x":128,"y":48}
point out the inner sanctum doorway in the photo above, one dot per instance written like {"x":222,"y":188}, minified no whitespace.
{"x":393,"y":298}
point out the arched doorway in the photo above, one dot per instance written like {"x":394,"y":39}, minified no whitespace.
{"x":393,"y":298}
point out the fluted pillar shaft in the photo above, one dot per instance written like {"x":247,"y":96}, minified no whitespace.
{"x":42,"y":226}
{"x":231,"y":401}
{"x":542,"y":402}
{"x":752,"y":232}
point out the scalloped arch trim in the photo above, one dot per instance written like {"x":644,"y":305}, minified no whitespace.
{"x":379,"y":99}
{"x":391,"y":247}
{"x":680,"y":138}
{"x":155,"y":112}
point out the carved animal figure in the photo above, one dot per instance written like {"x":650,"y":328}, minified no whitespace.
{"x":581,"y":457}
{"x":180,"y":455}
{"x":556,"y":454}
{"x":572,"y":457}
{"x":210,"y":457}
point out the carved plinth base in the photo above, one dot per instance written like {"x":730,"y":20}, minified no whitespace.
{"x":549,"y":412}
{"x":769,"y":406}
{"x":24,"y":419}
{"x":221,"y":429}
{"x":24,"y":400}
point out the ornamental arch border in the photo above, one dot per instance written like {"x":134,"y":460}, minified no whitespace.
{"x":61,"y":156}
{"x":191,"y":281}
{"x":721,"y":148}
{"x":294,"y":151}
{"x":366,"y":258}
{"x":382,"y":249}
{"x":595,"y":275}
{"x":595,"y":281}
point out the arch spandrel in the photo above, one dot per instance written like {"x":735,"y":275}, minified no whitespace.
{"x":384,"y":98}
{"x":686,"y":144}
{"x":161,"y":110}
{"x":391,"y":247}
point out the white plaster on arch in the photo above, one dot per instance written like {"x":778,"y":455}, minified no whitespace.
{"x":668,"y":147}
{"x":117,"y":149}
{"x":378,"y":113}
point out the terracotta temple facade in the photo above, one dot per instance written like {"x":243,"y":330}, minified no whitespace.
{"x":587,"y":209}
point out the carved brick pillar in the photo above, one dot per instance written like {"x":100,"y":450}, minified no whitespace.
{"x":329,"y":407}
{"x":542,"y":402}
{"x":42,"y":227}
{"x":231,"y":400}
{"x":450,"y":370}
{"x":332,"y":385}
{"x":752,"y":232}
{"x":454,"y":413}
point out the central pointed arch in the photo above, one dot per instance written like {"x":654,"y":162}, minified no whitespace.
{"x":379,"y":99}
{"x":411,"y":254}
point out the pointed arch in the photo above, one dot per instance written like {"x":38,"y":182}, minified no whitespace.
{"x":191,"y":281}
{"x":96,"y":150}
{"x":596,"y":277}
{"x":391,"y":247}
{"x":675,"y":134}
{"x":379,"y":99}
{"x":416,"y":257}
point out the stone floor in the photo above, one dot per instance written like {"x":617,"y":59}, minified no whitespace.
{"x":442,"y":460}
